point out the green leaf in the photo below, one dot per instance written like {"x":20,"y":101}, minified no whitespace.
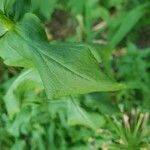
{"x":22,"y":118}
{"x":77,"y":116}
{"x":65,"y":69}
{"x":8,"y":46}
{"x":6,"y":5}
{"x":77,"y":6}
{"x":9,"y":5}
{"x":19,"y":144}
{"x":74,"y":113}
{"x":26,"y":80}
{"x":44,"y":7}
{"x":5,"y":24}
{"x":20,"y":8}
{"x":128,"y":23}
{"x":2,"y":5}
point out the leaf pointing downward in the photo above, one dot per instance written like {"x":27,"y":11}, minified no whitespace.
{"x":65,"y":69}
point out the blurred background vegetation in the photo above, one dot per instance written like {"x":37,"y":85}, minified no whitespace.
{"x":107,"y":121}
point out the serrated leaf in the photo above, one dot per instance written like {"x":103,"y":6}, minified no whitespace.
{"x":65,"y":69}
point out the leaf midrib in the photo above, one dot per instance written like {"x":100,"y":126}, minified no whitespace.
{"x":54,"y":60}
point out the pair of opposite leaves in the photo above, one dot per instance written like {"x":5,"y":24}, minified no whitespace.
{"x":65,"y":69}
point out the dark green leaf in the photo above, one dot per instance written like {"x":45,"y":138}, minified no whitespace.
{"x":129,"y":21}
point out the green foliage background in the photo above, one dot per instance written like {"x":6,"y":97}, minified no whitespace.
{"x":120,"y":34}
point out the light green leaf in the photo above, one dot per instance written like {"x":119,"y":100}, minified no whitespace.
{"x":77,"y":116}
{"x":5,"y":24}
{"x":22,"y":118}
{"x":74,"y":113}
{"x":65,"y":69}
{"x":2,"y":5}
{"x":97,"y":119}
{"x":19,"y":144}
{"x":12,"y":102}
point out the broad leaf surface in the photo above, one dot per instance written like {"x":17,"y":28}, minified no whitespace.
{"x":65,"y":69}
